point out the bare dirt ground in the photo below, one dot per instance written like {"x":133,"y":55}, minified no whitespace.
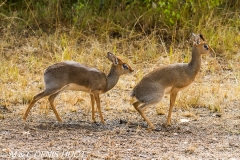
{"x":206,"y":135}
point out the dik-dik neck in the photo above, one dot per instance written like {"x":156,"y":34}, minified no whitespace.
{"x":112,"y":78}
{"x":195,"y":62}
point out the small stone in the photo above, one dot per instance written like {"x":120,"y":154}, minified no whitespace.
{"x":122,"y":121}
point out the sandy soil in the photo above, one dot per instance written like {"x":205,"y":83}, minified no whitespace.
{"x":207,"y":135}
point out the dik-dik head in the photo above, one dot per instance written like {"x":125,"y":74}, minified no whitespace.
{"x":201,"y":46}
{"x":120,"y":66}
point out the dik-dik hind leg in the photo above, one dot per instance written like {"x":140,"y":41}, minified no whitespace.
{"x":93,"y":112}
{"x":51,"y":101}
{"x":35,"y":99}
{"x":46,"y":92}
{"x":173,"y":96}
{"x":141,"y":110}
{"x":96,"y":96}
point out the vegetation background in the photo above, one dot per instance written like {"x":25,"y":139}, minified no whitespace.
{"x":168,"y":20}
{"x":35,"y":34}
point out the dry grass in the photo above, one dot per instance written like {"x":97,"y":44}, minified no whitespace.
{"x":23,"y":61}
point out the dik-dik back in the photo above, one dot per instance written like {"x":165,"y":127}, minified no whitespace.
{"x":69,"y":72}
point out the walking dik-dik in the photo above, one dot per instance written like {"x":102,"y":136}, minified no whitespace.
{"x":169,"y":80}
{"x":72,"y":75}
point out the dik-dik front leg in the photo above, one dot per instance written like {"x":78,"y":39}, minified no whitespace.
{"x":173,"y":96}
{"x":96,"y":96}
{"x":93,"y":112}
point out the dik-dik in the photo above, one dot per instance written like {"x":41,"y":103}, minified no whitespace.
{"x":169,"y":80}
{"x":72,"y":75}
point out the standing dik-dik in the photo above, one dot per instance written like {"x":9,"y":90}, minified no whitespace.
{"x":71,"y":75}
{"x":169,"y":80}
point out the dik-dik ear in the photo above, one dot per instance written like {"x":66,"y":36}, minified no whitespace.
{"x":111,"y":57}
{"x":201,"y":37}
{"x":197,"y":38}
{"x":203,"y":40}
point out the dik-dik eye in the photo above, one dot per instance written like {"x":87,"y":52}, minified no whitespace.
{"x":205,"y":46}
{"x":125,"y":66}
